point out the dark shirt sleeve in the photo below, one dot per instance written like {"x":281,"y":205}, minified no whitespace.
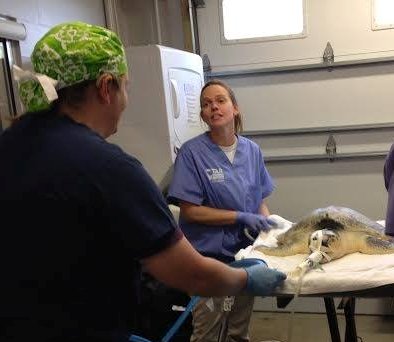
{"x":136,"y":209}
{"x":389,"y":183}
{"x":389,"y":230}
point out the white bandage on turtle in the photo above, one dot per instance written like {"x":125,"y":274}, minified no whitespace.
{"x":318,"y":246}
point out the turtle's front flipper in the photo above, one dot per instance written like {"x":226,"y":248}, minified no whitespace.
{"x":377,"y":245}
{"x":285,"y":249}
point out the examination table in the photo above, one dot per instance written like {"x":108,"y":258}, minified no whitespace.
{"x":352,"y":276}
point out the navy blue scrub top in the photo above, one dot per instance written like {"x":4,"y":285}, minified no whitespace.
{"x":77,"y":215}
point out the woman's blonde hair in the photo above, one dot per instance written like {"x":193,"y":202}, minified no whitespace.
{"x":238,"y":124}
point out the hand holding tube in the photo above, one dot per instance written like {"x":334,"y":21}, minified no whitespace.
{"x":254,"y":222}
{"x":262,"y":280}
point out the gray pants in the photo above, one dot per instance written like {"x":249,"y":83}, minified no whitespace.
{"x":220,"y":325}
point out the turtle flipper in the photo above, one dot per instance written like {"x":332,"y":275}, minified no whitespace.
{"x":377,"y":245}
{"x":285,"y":249}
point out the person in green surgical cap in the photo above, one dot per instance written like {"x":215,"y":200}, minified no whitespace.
{"x":80,"y":217}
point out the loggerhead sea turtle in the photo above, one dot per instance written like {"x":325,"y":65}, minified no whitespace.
{"x":353,"y":232}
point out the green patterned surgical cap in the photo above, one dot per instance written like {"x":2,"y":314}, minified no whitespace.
{"x":71,"y":53}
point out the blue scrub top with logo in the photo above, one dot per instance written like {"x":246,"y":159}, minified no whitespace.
{"x":203,"y":175}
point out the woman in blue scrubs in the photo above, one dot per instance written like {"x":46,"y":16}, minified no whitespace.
{"x":220,"y":183}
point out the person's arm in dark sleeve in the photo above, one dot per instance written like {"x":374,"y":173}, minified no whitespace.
{"x":181,"y":266}
{"x":389,"y":230}
{"x":388,"y":178}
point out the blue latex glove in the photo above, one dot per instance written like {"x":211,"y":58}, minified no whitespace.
{"x":262,"y":280}
{"x":254,"y":222}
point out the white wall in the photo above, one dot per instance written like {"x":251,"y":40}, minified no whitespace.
{"x":303,"y":186}
{"x":360,"y":94}
{"x":39,"y":15}
{"x":345,"y":24}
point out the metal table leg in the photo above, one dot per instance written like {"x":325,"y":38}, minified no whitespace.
{"x":332,"y":319}
{"x":350,"y":333}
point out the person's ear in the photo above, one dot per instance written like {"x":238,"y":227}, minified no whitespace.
{"x":236,"y":110}
{"x":104,"y":86}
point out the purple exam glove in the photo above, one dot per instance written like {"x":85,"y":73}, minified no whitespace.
{"x":255,"y":222}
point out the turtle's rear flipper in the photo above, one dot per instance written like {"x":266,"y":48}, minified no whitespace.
{"x":376,"y":245}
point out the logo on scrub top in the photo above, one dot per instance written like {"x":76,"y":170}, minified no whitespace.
{"x":215,"y":175}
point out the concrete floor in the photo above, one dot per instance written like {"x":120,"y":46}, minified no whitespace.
{"x":273,"y":326}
